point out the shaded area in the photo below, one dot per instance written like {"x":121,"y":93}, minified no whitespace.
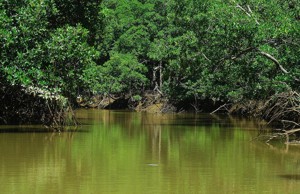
{"x":295,"y":177}
{"x":41,"y":129}
{"x":17,"y":106}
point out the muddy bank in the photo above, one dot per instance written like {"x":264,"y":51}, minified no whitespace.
{"x":282,"y":110}
{"x":149,"y":101}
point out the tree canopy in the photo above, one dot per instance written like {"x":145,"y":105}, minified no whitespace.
{"x":219,"y":50}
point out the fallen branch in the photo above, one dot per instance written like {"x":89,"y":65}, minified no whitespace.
{"x":292,"y":131}
{"x":288,"y":132}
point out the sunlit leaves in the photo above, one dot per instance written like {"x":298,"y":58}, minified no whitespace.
{"x":121,"y":74}
{"x":68,"y":55}
{"x":34,"y":54}
{"x":203,"y":49}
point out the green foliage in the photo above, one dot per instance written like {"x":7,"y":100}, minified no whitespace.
{"x":121,"y":74}
{"x":218,"y":50}
{"x":219,"y":55}
{"x":68,"y":55}
{"x":34,"y":54}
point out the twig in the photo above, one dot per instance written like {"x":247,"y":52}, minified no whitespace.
{"x":287,"y":121}
{"x":205,"y":57}
{"x":247,"y":13}
{"x":249,"y":9}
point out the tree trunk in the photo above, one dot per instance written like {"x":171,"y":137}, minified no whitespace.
{"x":160,"y":75}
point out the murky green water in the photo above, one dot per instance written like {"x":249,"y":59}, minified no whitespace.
{"x":124,"y":152}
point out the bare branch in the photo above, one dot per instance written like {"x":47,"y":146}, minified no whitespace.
{"x":292,"y":131}
{"x":249,"y":9}
{"x":224,"y":107}
{"x":240,"y":7}
{"x":247,"y":50}
{"x":275,"y":61}
{"x":205,"y":57}
{"x":292,"y":122}
{"x":246,"y":12}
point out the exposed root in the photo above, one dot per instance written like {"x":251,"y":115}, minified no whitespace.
{"x":224,"y":107}
{"x":283,"y":109}
{"x":153,"y":102}
{"x":20,"y":105}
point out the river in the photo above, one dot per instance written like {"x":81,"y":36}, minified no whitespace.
{"x":137,"y":153}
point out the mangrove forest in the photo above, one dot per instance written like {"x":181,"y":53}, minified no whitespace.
{"x":234,"y":56}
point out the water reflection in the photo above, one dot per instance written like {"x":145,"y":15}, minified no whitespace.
{"x":291,"y":176}
{"x":126,"y":152}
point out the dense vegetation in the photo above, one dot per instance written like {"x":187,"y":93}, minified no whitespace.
{"x":188,"y":50}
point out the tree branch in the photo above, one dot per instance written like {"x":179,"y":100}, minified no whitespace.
{"x":267,"y":55}
{"x":248,"y":13}
{"x":249,"y":9}
{"x":247,"y":50}
{"x":240,"y":7}
{"x":206,"y":57}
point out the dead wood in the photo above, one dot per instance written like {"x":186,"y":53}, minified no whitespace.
{"x":224,"y":107}
{"x":267,"y":55}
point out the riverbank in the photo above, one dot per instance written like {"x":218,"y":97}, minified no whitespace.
{"x":281,"y":110}
{"x":33,"y":105}
{"x":22,"y":104}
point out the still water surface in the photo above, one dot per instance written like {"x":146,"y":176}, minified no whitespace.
{"x":127,"y":152}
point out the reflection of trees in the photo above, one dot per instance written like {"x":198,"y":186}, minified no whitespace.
{"x":33,"y":158}
{"x":200,"y":130}
{"x":197,"y":152}
{"x":155,"y":135}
